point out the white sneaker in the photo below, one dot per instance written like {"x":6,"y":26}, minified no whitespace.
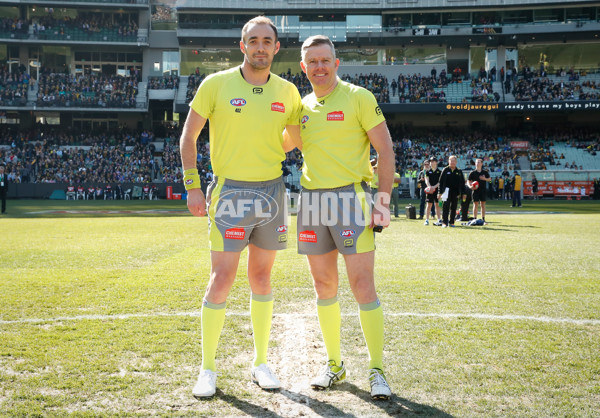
{"x":264,"y":377}
{"x":426,"y":222}
{"x":206,"y":385}
{"x":329,"y":376}
{"x":379,"y":386}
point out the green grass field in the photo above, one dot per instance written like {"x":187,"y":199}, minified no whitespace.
{"x":100,"y":302}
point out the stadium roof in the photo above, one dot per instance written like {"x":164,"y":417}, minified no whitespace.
{"x":355,"y":5}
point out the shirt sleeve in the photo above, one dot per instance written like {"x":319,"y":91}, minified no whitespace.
{"x":203,"y":102}
{"x":370,"y":114}
{"x":296,"y":112}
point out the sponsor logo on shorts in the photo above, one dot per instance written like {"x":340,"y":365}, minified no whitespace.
{"x":348,"y":242}
{"x":336,"y":116}
{"x":282,"y":228}
{"x":308,"y":236}
{"x":278,"y":107}
{"x":235,"y":233}
{"x":238,"y":102}
{"x":282,"y":238}
{"x":304,"y":119}
{"x":348,"y":233}
{"x":188,"y":182}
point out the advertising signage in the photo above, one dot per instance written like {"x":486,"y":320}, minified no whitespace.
{"x":494,"y":107}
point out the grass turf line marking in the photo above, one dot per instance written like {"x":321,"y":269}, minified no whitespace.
{"x":489,"y":317}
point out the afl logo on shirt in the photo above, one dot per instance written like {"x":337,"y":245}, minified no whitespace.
{"x":304,"y":119}
{"x":238,"y":102}
{"x":336,"y":116}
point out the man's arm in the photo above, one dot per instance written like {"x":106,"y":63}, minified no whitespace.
{"x":194,"y":123}
{"x":382,"y":142}
{"x":442,"y":183}
{"x":291,"y":138}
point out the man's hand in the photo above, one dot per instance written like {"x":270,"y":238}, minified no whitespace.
{"x":196,"y":202}
{"x":381,"y":211}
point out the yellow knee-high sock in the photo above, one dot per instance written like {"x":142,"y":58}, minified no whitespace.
{"x":330,"y":320}
{"x":261,"y":312}
{"x":212,"y":319}
{"x":371,"y":321}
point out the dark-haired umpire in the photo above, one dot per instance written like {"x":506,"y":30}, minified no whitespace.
{"x":451,"y":178}
{"x":479,"y":195}
{"x":3,"y":187}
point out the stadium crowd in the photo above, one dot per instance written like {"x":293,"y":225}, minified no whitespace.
{"x":86,"y":90}
{"x":85,"y":23}
{"x":49,"y":156}
{"x":13,"y":86}
{"x":375,"y":83}
{"x":420,"y":89}
{"x":167,"y":82}
{"x":194,"y":81}
{"x":13,"y":25}
{"x":544,"y":89}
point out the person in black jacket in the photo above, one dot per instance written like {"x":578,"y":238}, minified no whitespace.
{"x":451,"y":179}
{"x":3,"y":187}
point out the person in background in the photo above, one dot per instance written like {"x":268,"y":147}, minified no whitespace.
{"x":3,"y":187}
{"x":516,"y":189}
{"x":452,"y":183}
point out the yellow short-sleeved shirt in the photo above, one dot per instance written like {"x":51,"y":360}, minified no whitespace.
{"x":335,"y":144}
{"x":374,"y":181}
{"x":247,"y":123}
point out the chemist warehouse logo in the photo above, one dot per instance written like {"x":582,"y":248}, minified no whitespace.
{"x":336,"y":116}
{"x":278,"y":107}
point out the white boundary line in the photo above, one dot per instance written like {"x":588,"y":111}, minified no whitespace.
{"x":486,"y":317}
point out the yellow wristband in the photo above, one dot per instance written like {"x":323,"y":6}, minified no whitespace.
{"x":191,"y":181}
{"x":190,"y":171}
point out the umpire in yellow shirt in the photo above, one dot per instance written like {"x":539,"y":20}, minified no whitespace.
{"x":248,"y":107}
{"x":339,"y":122}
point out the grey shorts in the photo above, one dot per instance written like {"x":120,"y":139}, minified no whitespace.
{"x":339,"y":218}
{"x":243,"y":212}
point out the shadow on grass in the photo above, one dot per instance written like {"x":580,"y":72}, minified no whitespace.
{"x":318,"y":407}
{"x":247,"y":407}
{"x":397,"y":405}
